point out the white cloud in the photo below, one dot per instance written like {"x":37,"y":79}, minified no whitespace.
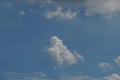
{"x":103,"y":7}
{"x":112,"y":77}
{"x":59,"y":13}
{"x":61,"y":54}
{"x":105,"y":66}
{"x":106,"y":8}
{"x":43,"y":76}
{"x":117,"y":60}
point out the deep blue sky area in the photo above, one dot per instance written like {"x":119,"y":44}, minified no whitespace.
{"x":27,"y":28}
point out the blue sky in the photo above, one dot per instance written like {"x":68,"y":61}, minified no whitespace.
{"x":59,"y":40}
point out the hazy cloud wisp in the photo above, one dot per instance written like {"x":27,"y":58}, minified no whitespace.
{"x":58,"y":13}
{"x":105,"y":66}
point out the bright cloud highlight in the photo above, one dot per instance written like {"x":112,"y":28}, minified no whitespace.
{"x":61,"y":54}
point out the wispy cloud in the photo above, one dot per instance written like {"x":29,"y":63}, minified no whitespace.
{"x":102,"y":7}
{"x":117,"y":60}
{"x":61,"y":54}
{"x":78,"y":78}
{"x":113,"y":76}
{"x":26,"y":76}
{"x":21,"y":13}
{"x":105,"y":66}
{"x":95,"y":6}
{"x":43,"y":76}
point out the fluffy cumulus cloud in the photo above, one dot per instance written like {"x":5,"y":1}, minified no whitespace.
{"x":105,"y":66}
{"x":117,"y":60}
{"x":58,"y":13}
{"x":61,"y":54}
